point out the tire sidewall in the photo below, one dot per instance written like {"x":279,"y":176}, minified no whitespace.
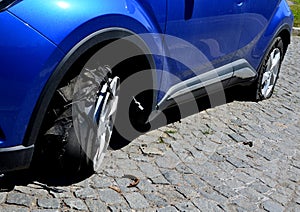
{"x":277,"y":43}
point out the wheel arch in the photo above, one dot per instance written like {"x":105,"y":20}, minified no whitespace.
{"x":67,"y":23}
{"x":99,"y":39}
{"x":285,"y":35}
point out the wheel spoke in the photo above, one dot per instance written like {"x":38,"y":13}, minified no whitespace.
{"x":275,"y":59}
{"x":266,"y":77}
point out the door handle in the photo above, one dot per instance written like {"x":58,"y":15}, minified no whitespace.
{"x":240,"y":3}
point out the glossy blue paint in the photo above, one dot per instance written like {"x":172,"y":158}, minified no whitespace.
{"x":213,"y":31}
{"x":27,"y":59}
{"x":39,"y":44}
{"x":67,"y":22}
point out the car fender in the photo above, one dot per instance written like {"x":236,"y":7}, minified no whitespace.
{"x":281,"y":20}
{"x":69,"y":30}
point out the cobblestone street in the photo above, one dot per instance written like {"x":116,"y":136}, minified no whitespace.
{"x":204,"y":162}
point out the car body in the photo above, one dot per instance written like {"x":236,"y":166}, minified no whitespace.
{"x":40,"y":40}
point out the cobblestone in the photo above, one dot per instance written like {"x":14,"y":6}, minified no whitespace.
{"x":197,"y":164}
{"x":76,"y":204}
{"x":95,"y":205}
{"x":110,"y":197}
{"x":136,"y":200}
{"x":49,"y":203}
{"x":86,"y":193}
{"x":20,"y":199}
{"x":272,"y":206}
{"x":156,"y":200}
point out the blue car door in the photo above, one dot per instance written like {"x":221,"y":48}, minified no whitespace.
{"x":202,"y":34}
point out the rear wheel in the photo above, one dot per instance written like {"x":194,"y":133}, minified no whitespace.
{"x":269,"y":71}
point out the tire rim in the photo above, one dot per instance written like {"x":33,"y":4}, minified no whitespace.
{"x":94,"y":108}
{"x":105,"y":111}
{"x":271,"y":73}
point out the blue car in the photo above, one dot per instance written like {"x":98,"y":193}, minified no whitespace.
{"x":79,"y":76}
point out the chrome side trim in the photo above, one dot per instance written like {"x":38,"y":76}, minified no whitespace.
{"x":240,"y":69}
{"x":243,"y":70}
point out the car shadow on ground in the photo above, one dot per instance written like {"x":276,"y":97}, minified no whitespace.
{"x":47,"y":179}
{"x":43,"y":180}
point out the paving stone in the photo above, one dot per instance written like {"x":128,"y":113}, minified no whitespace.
{"x":156,"y":200}
{"x":186,"y":206}
{"x":136,"y":200}
{"x":173,"y":177}
{"x":110,"y":196}
{"x":281,"y":198}
{"x":146,"y":185}
{"x":225,"y":191}
{"x":150,"y":170}
{"x":20,"y":199}
{"x":13,"y":208}
{"x":238,"y":163}
{"x":187,"y":191}
{"x":126,"y":165}
{"x":45,"y":210}
{"x":49,"y":203}
{"x":95,"y":205}
{"x":244,"y":203}
{"x":252,"y":194}
{"x":151,"y":150}
{"x":119,"y":208}
{"x":75,"y":203}
{"x":167,"y":209}
{"x":102,"y":181}
{"x":272,"y":206}
{"x":160,"y":180}
{"x":237,"y":137}
{"x":112,"y":172}
{"x":211,"y":179}
{"x":204,"y":204}
{"x":31,"y":190}
{"x":169,"y":161}
{"x":216,"y":157}
{"x":85,"y":193}
{"x":248,"y":179}
{"x":260,"y":187}
{"x":172,"y":195}
{"x":209,"y":193}
{"x":3,"y":197}
{"x":183,"y":169}
{"x":194,"y":180}
{"x":83,"y":183}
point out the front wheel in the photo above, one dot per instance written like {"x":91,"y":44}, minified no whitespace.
{"x":80,"y":122}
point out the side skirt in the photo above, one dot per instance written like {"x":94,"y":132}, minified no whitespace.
{"x":197,"y":86}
